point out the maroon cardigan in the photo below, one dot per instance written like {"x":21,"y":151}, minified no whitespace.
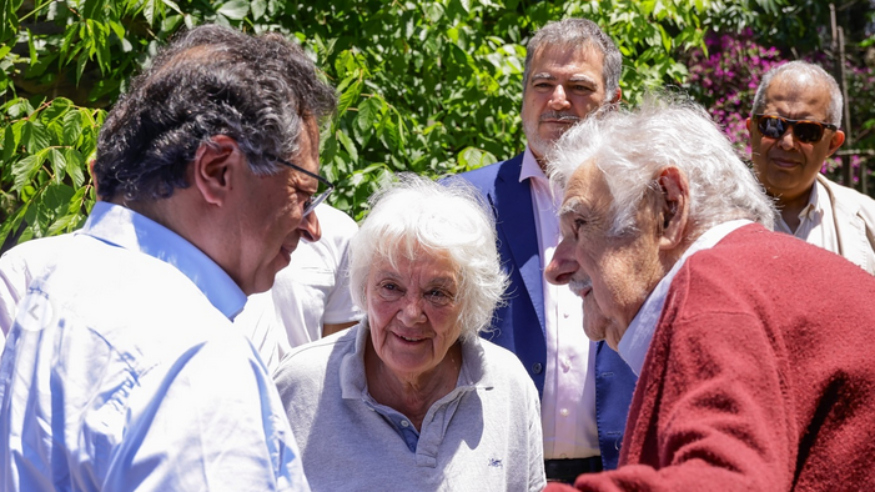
{"x":760,"y":375}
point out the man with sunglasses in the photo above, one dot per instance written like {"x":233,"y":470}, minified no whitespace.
{"x":123,"y":370}
{"x":793,"y":130}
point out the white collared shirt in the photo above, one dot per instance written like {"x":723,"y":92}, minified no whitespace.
{"x":568,"y":402}
{"x":816,"y":221}
{"x":636,"y":340}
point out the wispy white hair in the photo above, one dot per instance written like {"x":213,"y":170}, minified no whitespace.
{"x":631,"y":147}
{"x":414,"y":216}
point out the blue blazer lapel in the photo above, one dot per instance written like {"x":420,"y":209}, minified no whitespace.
{"x":517,"y":230}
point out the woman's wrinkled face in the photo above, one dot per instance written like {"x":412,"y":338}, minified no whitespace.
{"x":413,"y":312}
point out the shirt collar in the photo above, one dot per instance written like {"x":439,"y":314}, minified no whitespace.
{"x":810,"y":212}
{"x":636,"y":340}
{"x":122,"y":227}
{"x":530,"y":168}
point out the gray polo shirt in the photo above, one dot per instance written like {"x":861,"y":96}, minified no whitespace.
{"x":484,"y":435}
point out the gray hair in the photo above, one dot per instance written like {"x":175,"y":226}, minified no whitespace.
{"x":210,"y":81}
{"x":803,"y":69}
{"x":575,"y":33}
{"x":415,"y":214}
{"x":631,"y":147}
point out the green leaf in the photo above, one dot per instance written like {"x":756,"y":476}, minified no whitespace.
{"x":234,"y":9}
{"x":80,"y":65}
{"x":349,"y":96}
{"x":34,"y":137}
{"x":31,"y":49}
{"x":23,"y":170}
{"x":59,"y":164}
{"x":72,"y":128}
{"x":434,"y":12}
{"x":75,"y":166}
{"x":348,"y":146}
{"x":67,"y":223}
{"x":150,"y":8}
{"x":369,"y":114}
{"x":174,"y":6}
{"x":9,"y":143}
{"x":259,"y":7}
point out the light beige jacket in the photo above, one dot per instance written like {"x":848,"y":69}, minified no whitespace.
{"x":854,"y":215}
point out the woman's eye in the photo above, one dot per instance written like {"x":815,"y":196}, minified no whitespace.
{"x":438,"y":297}
{"x":390,"y":291}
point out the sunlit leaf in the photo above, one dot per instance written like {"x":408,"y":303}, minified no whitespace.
{"x":34,"y":137}
{"x":348,"y":145}
{"x":75,"y":166}
{"x":234,"y":9}
{"x":59,"y":164}
{"x":23,"y":170}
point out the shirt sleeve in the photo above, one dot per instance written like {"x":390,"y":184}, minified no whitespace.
{"x":339,"y":306}
{"x":14,"y":277}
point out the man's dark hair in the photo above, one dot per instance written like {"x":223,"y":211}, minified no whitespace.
{"x":209,"y":81}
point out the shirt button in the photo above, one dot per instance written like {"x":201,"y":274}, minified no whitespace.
{"x":566,"y":314}
{"x":405,"y":423}
{"x":563,"y":412}
{"x":537,"y":368}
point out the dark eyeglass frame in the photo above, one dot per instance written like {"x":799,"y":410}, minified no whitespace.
{"x":314,"y":200}
{"x":785,"y":123}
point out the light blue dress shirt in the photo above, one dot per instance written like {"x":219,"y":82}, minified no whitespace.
{"x":123,"y":372}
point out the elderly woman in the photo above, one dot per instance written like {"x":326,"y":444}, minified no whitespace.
{"x":412,"y":398}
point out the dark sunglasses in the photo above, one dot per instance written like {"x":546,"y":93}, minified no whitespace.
{"x":806,"y":131}
{"x":320,"y":196}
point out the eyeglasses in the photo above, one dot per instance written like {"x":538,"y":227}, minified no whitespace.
{"x":319,"y":196}
{"x":806,"y":131}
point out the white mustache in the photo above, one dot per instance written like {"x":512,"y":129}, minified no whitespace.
{"x":578,"y":286}
{"x":553,"y":115}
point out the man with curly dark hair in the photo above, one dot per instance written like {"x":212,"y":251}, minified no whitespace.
{"x":123,"y":370}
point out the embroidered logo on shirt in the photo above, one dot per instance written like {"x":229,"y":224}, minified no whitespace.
{"x":496,"y":463}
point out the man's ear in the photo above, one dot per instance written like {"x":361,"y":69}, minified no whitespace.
{"x":749,"y":126}
{"x":838,"y":138}
{"x":618,"y":96}
{"x":674,"y":208}
{"x":214,"y":166}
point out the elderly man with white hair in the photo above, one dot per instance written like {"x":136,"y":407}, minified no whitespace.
{"x":753,"y":349}
{"x":412,"y":398}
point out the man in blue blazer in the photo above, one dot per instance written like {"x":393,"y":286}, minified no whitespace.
{"x":572,"y":69}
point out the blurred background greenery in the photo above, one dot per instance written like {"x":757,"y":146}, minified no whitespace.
{"x":428,"y":86}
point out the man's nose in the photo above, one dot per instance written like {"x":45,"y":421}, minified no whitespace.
{"x":558,"y":99}
{"x":562,"y":266}
{"x":787,"y":140}
{"x":310,"y":228}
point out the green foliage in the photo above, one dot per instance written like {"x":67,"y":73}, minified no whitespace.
{"x":43,"y":181}
{"x":427,"y":86}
